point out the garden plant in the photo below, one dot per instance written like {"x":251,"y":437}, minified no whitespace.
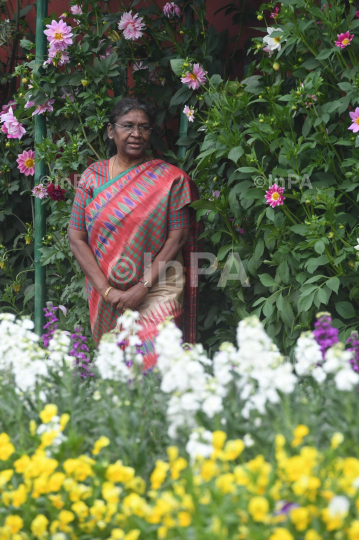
{"x":237,"y":446}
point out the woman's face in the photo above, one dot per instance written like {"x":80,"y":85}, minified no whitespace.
{"x":131,"y":145}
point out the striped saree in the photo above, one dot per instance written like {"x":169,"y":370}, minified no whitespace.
{"x":126,"y":221}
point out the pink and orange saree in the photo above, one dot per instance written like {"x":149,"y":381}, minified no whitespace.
{"x":126,"y":222}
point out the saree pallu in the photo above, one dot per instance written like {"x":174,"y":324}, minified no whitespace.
{"x":126,"y":222}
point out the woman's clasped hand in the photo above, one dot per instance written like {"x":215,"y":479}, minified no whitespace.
{"x":129,"y":299}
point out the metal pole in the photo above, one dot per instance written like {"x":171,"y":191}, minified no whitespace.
{"x":183,"y":130}
{"x":40,"y":171}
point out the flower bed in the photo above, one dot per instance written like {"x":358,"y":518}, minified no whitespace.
{"x":240,"y":446}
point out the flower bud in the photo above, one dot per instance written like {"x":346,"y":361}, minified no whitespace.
{"x":276,"y":66}
{"x":24,"y":80}
{"x":260,"y":17}
{"x":85,"y":82}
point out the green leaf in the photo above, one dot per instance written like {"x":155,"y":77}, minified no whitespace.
{"x":313,"y":263}
{"x":203,"y":204}
{"x":223,"y":251}
{"x":259,"y":301}
{"x":26,"y":44}
{"x":185,"y":141}
{"x":267,"y":280}
{"x":333,"y":284}
{"x":253,"y":193}
{"x":312,"y":63}
{"x":324,"y":53}
{"x":307,"y":126}
{"x":343,"y":142}
{"x":347,"y":87}
{"x":176,"y":65}
{"x":216,"y":79}
{"x":181,"y":96}
{"x":248,"y":169}
{"x":30,"y":294}
{"x":287,"y":313}
{"x":322,"y":296}
{"x":283,"y":272}
{"x":235,"y":153}
{"x":345,"y":309}
{"x":268,"y":309}
{"x":299,"y":229}
{"x":270,"y":213}
{"x":319,"y":247}
{"x":304,"y":304}
{"x":259,"y":249}
{"x":307,"y":290}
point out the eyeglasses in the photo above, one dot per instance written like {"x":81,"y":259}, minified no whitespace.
{"x":130,"y":128}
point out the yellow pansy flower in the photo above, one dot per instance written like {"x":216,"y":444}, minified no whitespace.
{"x":102,"y":442}
{"x":218,"y":440}
{"x":312,"y":534}
{"x":119,"y":473}
{"x":281,"y":534}
{"x":14,"y":523}
{"x":300,"y":518}
{"x":48,"y":412}
{"x":39,"y":525}
{"x":258,"y":508}
{"x":64,"y":418}
{"x":159,"y":474}
{"x":184,"y":519}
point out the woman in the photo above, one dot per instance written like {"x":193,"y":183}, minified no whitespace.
{"x":129,"y":211}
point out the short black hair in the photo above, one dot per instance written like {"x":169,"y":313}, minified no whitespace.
{"x":125,"y":105}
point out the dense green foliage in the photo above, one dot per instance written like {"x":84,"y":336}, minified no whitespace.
{"x":289,"y":125}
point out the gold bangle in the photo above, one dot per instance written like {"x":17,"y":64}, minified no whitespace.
{"x":106,"y":293}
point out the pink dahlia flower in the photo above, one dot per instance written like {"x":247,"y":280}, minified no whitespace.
{"x":59,"y":35}
{"x":11,"y":126}
{"x":189,"y":113}
{"x":76,"y":10}
{"x":5,"y":108}
{"x":26,"y":162}
{"x":357,"y":14}
{"x":275,"y":15}
{"x":131,"y":25}
{"x":40,"y":191}
{"x":274,"y":196}
{"x":196,"y":78}
{"x":29,"y":104}
{"x":57,"y":58}
{"x":355,"y":117}
{"x":44,"y":107}
{"x":344,"y":40}
{"x":171,"y":10}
